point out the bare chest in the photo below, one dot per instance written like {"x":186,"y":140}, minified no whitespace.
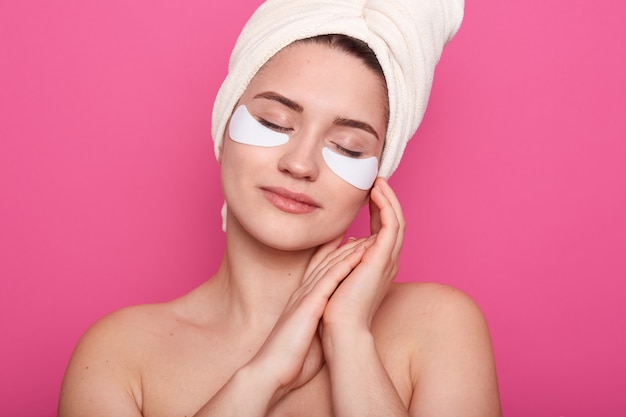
{"x":178,"y":382}
{"x":183,"y":370}
{"x":184,"y":393}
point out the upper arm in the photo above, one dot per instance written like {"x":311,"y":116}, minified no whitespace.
{"x":455,"y":370}
{"x":98,"y":380}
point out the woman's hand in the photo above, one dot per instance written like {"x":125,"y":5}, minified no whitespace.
{"x":355,"y":302}
{"x":360,"y":383}
{"x":343,"y":284}
{"x":292,"y":353}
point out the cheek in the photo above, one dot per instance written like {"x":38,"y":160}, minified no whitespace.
{"x":235,"y":163}
{"x":245,"y":129}
{"x":360,"y":173}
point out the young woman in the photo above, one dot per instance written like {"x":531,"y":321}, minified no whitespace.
{"x":297,"y":320}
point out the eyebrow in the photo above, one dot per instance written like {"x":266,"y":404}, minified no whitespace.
{"x":340,"y":121}
{"x":271,"y":95}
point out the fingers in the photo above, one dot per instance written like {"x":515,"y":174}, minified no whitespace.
{"x":387,"y":191}
{"x":340,"y":261}
{"x":376,"y":205}
{"x":295,"y":336}
{"x":328,"y":253}
{"x":373,"y":260}
{"x":375,"y":222}
{"x":321,"y":253}
{"x":388,"y":221}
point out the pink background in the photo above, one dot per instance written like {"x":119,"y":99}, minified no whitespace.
{"x":514,"y":187}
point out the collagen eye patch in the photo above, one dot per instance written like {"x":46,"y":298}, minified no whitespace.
{"x":244,"y":128}
{"x":360,"y":173}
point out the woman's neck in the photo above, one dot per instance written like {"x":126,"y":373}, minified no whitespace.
{"x":254,"y":280}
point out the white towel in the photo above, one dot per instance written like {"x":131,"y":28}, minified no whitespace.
{"x":407,"y":37}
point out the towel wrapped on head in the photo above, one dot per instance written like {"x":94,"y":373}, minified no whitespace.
{"x":407,"y":37}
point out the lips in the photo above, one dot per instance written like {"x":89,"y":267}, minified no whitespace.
{"x":289,"y":201}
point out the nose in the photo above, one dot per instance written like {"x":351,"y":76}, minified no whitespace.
{"x":301,"y":157}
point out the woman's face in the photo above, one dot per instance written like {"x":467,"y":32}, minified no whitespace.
{"x":313,"y":99}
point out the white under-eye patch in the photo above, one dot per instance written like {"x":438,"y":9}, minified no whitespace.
{"x":360,"y":173}
{"x":243,"y":128}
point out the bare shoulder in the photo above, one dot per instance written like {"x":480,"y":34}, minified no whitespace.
{"x":429,"y":305}
{"x":439,"y":318}
{"x":131,"y":333}
{"x":118,"y":333}
{"x":103,"y":375}
{"x":451,"y":352}
{"x":432,"y":319}
{"x":124,"y":319}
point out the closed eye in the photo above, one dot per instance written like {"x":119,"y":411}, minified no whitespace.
{"x":275,"y":127}
{"x":348,"y":152}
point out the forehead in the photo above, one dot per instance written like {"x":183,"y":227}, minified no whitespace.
{"x":319,"y":75}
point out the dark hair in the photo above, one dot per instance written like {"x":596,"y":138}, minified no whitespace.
{"x":358,"y":49}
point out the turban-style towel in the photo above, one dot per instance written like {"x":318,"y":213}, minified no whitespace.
{"x":407,"y":37}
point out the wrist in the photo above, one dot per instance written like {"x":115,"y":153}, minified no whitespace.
{"x":263,"y":389}
{"x":342,"y":343}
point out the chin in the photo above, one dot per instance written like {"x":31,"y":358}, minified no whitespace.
{"x":285,"y":237}
{"x":292,"y":240}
